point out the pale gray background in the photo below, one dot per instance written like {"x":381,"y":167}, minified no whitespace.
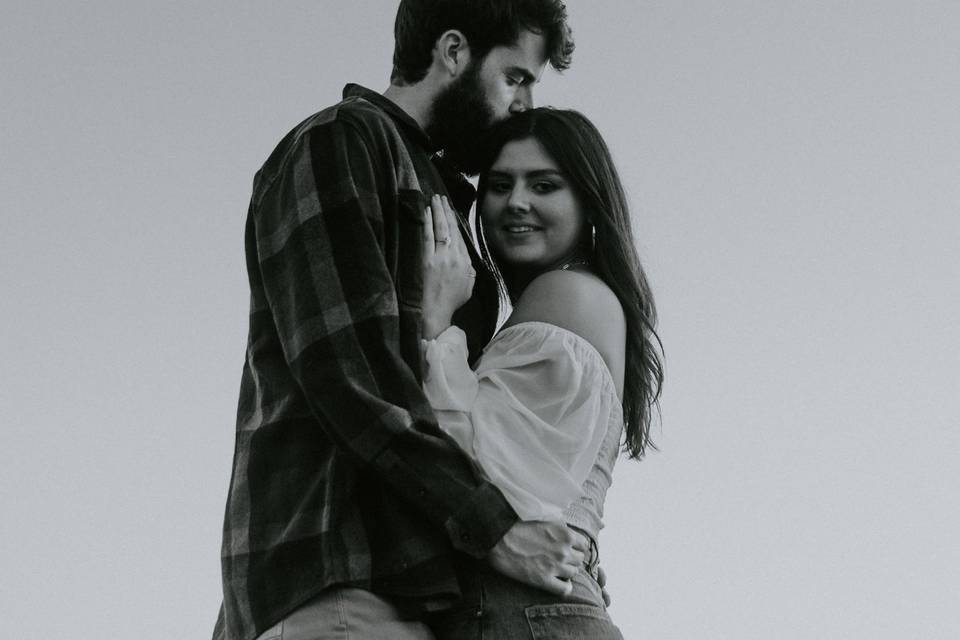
{"x":793,"y":168}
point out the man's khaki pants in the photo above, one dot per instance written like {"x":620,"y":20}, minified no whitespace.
{"x":342,"y":613}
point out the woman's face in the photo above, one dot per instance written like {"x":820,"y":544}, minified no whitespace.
{"x":531,"y":216}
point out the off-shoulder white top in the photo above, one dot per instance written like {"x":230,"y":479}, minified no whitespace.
{"x":540,"y":415}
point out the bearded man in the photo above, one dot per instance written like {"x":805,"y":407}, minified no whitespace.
{"x":347,"y":504}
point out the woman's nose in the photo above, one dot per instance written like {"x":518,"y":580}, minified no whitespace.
{"x":518,"y":201}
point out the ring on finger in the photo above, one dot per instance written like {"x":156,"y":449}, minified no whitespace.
{"x":443,"y":240}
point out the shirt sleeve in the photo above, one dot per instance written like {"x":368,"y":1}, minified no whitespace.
{"x":533,"y":415}
{"x":319,"y":231}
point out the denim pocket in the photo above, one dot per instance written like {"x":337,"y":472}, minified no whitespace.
{"x":571,"y":622}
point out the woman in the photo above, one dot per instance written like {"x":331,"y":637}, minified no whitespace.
{"x":574,"y":367}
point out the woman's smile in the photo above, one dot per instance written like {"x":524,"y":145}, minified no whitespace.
{"x":532,"y":218}
{"x":519,"y":229}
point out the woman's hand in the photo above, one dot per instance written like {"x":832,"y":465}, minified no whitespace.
{"x":448,"y":274}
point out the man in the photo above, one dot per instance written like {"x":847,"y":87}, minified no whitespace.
{"x":347,"y":503}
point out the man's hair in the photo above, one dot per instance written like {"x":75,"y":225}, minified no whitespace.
{"x":485,"y":23}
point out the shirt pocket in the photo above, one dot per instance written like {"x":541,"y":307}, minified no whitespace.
{"x":408,"y":252}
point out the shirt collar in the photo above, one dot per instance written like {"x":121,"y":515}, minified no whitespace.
{"x":390,"y":108}
{"x":461,"y":191}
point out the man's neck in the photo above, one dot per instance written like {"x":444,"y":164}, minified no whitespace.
{"x":416,"y":101}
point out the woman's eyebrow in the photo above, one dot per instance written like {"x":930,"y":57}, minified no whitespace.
{"x":541,"y":173}
{"x":533,"y":173}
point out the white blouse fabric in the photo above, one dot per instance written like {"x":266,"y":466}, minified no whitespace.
{"x":533,"y":415}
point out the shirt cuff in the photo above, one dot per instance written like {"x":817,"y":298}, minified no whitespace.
{"x":448,"y":382}
{"x":482,"y":521}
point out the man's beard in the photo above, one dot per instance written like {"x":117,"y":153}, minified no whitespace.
{"x":460,"y":119}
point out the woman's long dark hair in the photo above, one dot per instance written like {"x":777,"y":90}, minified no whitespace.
{"x":581,"y":154}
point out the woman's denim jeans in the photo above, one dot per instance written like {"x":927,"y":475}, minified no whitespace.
{"x":495,"y":607}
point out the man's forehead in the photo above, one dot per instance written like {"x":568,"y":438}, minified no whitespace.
{"x":528,"y":54}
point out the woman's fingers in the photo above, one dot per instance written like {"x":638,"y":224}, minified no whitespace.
{"x":460,"y":244}
{"x":442,"y":238}
{"x":441,"y":226}
{"x":453,"y":227}
{"x":427,"y":233}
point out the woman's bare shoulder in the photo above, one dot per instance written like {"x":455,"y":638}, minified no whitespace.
{"x":579,"y":302}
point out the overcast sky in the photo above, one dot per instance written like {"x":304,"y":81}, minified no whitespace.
{"x":794,"y":171}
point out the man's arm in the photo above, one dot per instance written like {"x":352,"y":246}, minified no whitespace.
{"x":319,"y":230}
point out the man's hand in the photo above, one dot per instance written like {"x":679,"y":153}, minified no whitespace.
{"x":545,"y":555}
{"x":602,"y":581}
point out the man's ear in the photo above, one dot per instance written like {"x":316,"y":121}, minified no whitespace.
{"x":452,"y":52}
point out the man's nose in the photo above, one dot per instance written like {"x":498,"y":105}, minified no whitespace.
{"x":523,"y":100}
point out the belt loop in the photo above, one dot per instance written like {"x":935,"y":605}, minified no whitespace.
{"x":594,"y":558}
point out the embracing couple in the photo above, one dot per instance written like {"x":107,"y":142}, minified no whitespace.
{"x":405,"y":467}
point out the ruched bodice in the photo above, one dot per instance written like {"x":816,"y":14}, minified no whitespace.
{"x":540,"y":415}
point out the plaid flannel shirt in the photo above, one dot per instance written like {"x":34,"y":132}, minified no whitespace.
{"x":341,"y":474}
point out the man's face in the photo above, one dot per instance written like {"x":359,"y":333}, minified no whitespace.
{"x":507,"y":74}
{"x":488,"y":92}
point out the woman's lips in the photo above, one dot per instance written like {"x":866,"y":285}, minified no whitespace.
{"x":520,"y":228}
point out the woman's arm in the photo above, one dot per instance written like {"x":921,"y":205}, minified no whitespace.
{"x":543,"y":554}
{"x":534,"y":412}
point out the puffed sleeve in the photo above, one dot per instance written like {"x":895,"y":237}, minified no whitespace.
{"x":533,"y":415}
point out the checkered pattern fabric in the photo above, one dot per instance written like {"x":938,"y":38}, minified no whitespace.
{"x":341,"y":474}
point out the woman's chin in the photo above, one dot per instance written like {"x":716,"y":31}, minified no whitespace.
{"x":520,"y":263}
{"x":519,"y":257}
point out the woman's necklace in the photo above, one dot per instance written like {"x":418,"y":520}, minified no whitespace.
{"x":520,"y":285}
{"x":575,"y":262}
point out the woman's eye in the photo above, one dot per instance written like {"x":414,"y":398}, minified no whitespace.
{"x":544,"y":187}
{"x":498,"y":187}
